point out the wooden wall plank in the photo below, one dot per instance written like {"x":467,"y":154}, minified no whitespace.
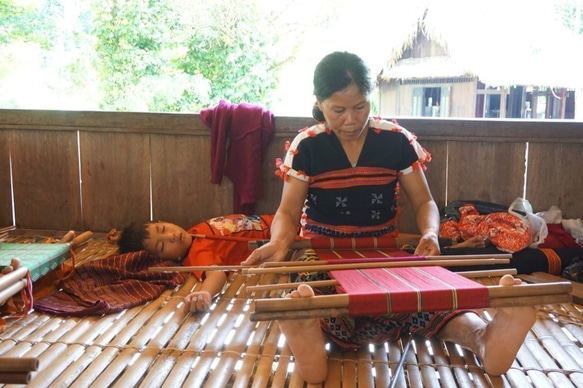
{"x":115,"y":170}
{"x":46,"y":179}
{"x":484,"y":159}
{"x":436,"y":179}
{"x":5,"y":183}
{"x":272,"y":184}
{"x":181,"y":181}
{"x":554,"y":177}
{"x":492,"y":172}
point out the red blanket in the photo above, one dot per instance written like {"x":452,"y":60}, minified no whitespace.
{"x":111,"y":285}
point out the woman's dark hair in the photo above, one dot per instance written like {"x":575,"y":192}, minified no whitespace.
{"x":132,"y":238}
{"x":335,"y":72}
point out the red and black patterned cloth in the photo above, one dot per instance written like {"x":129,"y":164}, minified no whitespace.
{"x":111,"y":285}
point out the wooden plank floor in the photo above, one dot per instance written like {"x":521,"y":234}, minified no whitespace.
{"x":156,"y":345}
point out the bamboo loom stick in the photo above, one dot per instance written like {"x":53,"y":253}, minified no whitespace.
{"x":332,"y":282}
{"x":81,"y":239}
{"x":16,"y":364}
{"x":342,"y":300}
{"x":7,"y":229}
{"x":395,"y":258}
{"x":12,"y":277}
{"x":289,"y":286}
{"x":380,"y":264}
{"x":326,"y":305}
{"x":247,"y":270}
{"x":338,"y":311}
{"x":197,"y":268}
{"x":15,"y":377}
{"x":488,"y":273}
{"x":12,"y":289}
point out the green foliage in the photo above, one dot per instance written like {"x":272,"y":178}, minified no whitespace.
{"x":142,"y":55}
{"x":232,"y":51}
{"x":130,"y":36}
{"x":24,"y":23}
{"x":570,"y":14}
{"x":142,"y":63}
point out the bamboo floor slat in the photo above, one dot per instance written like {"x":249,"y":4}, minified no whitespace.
{"x":156,"y":345}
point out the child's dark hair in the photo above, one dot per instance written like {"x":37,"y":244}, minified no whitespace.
{"x":335,"y":72}
{"x":132,"y":238}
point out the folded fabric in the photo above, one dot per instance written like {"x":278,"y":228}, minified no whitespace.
{"x":507,"y":232}
{"x":111,"y":285}
{"x":525,"y":261}
{"x":240,"y":134}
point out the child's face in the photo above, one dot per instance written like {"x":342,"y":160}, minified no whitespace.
{"x":167,"y":241}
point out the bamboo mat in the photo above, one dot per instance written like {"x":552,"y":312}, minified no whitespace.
{"x":156,"y":345}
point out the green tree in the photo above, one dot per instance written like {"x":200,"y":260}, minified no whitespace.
{"x":131,"y":38}
{"x":23,"y":23}
{"x":232,"y":47}
{"x":570,"y":13}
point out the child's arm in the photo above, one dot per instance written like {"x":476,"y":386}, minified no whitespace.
{"x":211,"y":286}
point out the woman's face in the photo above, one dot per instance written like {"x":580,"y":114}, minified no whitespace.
{"x":346,"y":112}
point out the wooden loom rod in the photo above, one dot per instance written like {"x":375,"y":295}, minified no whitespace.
{"x":198,"y":268}
{"x":332,"y":282}
{"x":382,"y":264}
{"x":81,"y":239}
{"x":337,"y":311}
{"x":342,"y":300}
{"x":12,"y":289}
{"x":247,"y":270}
{"x":15,"y":377}
{"x":12,"y":277}
{"x":396,"y":258}
{"x":17,"y":364}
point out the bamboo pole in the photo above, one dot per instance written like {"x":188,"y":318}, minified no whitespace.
{"x":386,"y":264}
{"x":16,"y":364}
{"x":11,"y":290}
{"x":393,"y":258}
{"x":197,"y":268}
{"x":335,"y":305}
{"x":488,"y":273}
{"x":332,"y":282}
{"x":323,"y":265}
{"x":81,"y":239}
{"x":289,"y":286}
{"x":342,"y":300}
{"x":15,"y":377}
{"x":12,"y":277}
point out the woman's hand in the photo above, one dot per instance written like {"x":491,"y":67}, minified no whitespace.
{"x":428,"y":245}
{"x":197,"y":301}
{"x":271,"y":251}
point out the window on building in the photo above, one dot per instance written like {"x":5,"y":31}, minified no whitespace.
{"x":431,"y":101}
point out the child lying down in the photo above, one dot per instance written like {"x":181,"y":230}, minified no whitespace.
{"x":171,"y":242}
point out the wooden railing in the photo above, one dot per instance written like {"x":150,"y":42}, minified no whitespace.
{"x":97,"y":170}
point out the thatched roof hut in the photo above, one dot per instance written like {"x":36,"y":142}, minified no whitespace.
{"x":502,"y":46}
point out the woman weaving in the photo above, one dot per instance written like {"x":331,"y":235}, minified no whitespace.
{"x":341,"y":180}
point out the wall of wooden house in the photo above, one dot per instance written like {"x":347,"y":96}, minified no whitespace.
{"x":98,"y":170}
{"x":397,"y":100}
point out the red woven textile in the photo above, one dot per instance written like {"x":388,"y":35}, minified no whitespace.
{"x":110,"y":285}
{"x":353,"y":243}
{"x":384,"y":253}
{"x":408,"y":289}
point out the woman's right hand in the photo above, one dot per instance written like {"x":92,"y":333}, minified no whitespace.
{"x":271,"y":251}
